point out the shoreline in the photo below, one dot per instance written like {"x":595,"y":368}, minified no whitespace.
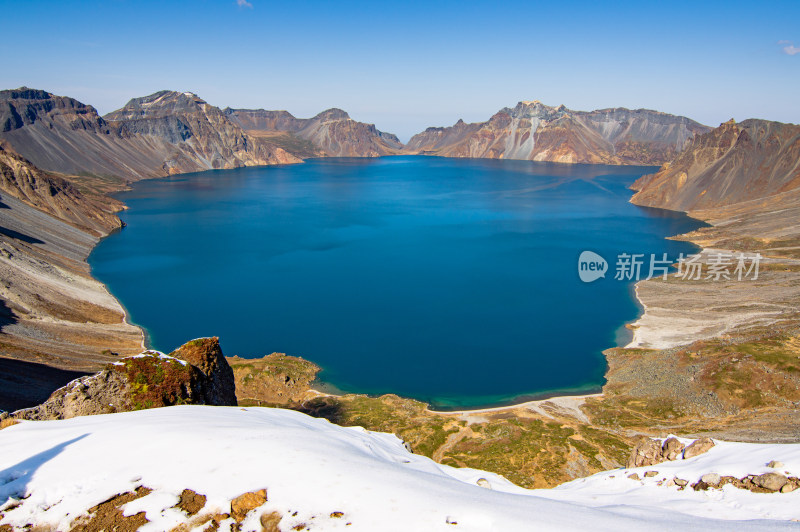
{"x":125,"y":314}
{"x":530,"y":401}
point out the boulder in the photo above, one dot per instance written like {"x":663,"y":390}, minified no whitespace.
{"x":671,"y":449}
{"x":698,"y":447}
{"x":712,"y":479}
{"x":245,"y":503}
{"x":482,"y":482}
{"x":774,"y":464}
{"x":771,"y":481}
{"x":645,"y":452}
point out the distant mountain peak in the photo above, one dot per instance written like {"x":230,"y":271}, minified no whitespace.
{"x":159,"y":103}
{"x":331,"y":132}
{"x":333,"y":114}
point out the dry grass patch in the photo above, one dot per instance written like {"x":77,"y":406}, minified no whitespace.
{"x":7,"y":422}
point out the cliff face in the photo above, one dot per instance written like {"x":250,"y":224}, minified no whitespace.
{"x":332,"y":133}
{"x":734,"y":163}
{"x":154,"y":136}
{"x":538,"y":132}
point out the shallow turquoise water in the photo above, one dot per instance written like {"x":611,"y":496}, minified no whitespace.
{"x":453,"y":281}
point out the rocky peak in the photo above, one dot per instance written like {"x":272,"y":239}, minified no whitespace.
{"x":25,"y":106}
{"x":332,"y":114}
{"x":159,"y":104}
{"x":535,"y":109}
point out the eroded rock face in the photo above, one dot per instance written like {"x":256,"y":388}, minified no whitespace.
{"x":197,"y":374}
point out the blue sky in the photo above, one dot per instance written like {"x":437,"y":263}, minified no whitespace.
{"x":408,"y":65}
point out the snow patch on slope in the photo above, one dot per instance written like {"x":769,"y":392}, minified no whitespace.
{"x":312,"y":469}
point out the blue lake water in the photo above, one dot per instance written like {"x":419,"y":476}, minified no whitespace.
{"x":453,"y":281}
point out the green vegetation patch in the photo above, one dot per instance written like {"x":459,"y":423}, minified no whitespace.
{"x":407,"y":418}
{"x":156,"y":382}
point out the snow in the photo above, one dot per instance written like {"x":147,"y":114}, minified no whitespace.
{"x":312,"y":468}
{"x":152,"y":353}
{"x":725,"y":458}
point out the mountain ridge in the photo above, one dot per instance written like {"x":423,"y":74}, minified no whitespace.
{"x":735,"y":162}
{"x":332,"y":131}
{"x":534,"y":131}
{"x":140,"y":140}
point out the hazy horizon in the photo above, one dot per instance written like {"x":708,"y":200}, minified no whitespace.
{"x":408,"y":67}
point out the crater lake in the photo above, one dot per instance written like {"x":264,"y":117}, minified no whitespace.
{"x":452,"y":281}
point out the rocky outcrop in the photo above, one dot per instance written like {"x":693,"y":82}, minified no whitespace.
{"x":534,"y":131}
{"x":157,"y":135}
{"x":195,"y":373}
{"x":734,"y":163}
{"x":648,"y":452}
{"x":332,"y":132}
{"x":206,"y":355}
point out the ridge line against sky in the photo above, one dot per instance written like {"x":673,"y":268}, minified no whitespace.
{"x":407,"y":66}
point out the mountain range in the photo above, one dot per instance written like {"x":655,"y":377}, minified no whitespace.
{"x":172,"y":132}
{"x":331,"y":133}
{"x":537,"y":132}
{"x":157,"y":135}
